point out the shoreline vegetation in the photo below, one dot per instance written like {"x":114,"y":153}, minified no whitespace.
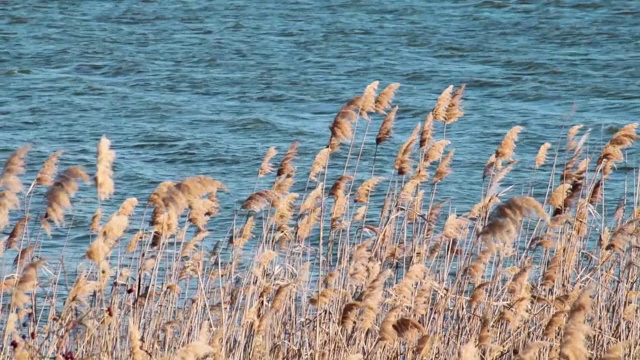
{"x":361,"y":265}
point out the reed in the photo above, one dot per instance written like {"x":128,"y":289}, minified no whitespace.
{"x":361,"y":263}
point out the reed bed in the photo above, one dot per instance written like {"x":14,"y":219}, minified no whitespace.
{"x":365,"y":263}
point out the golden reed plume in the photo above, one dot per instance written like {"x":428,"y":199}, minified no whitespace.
{"x":104,"y":173}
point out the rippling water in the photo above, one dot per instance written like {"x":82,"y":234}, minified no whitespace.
{"x":199,"y":87}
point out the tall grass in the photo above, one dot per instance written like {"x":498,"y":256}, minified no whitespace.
{"x":366,"y":263}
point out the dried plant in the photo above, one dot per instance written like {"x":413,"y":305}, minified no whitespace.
{"x":403,"y":159}
{"x":454,"y":110}
{"x":383,"y":102}
{"x":386,"y":128}
{"x":104,"y":173}
{"x":320,"y":163}
{"x":48,"y":171}
{"x":60,"y":193}
{"x":266,"y":167}
{"x":297,"y":271}
{"x":541,"y":157}
{"x":442,"y":105}
{"x":506,"y":149}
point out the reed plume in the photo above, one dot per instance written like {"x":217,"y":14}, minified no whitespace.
{"x":454,"y":109}
{"x":386,"y":128}
{"x":266,"y":167}
{"x":444,"y":168}
{"x":442,"y":104}
{"x":17,"y":232}
{"x":469,"y":351}
{"x":319,"y":163}
{"x":427,"y":130}
{"x":13,"y":168}
{"x":136,"y":344}
{"x":286,"y":167}
{"x":383,"y":102}
{"x":507,"y":218}
{"x":576,"y":330}
{"x":364,"y":190}
{"x":341,"y":128}
{"x":403,"y":159}
{"x":368,"y":104}
{"x":541,"y":157}
{"x":95,"y":220}
{"x":60,"y":193}
{"x":104,"y":173}
{"x":506,"y":149}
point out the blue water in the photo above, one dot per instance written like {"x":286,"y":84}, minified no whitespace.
{"x":198,"y":87}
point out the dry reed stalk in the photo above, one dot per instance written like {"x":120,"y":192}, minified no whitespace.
{"x":48,"y":171}
{"x":442,"y":104}
{"x":319,"y":163}
{"x":403,"y":160}
{"x":386,"y":128}
{"x":541,"y":157}
{"x":425,"y":345}
{"x":454,"y":109}
{"x":267,"y":167}
{"x":104,"y":173}
{"x":383,"y":102}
